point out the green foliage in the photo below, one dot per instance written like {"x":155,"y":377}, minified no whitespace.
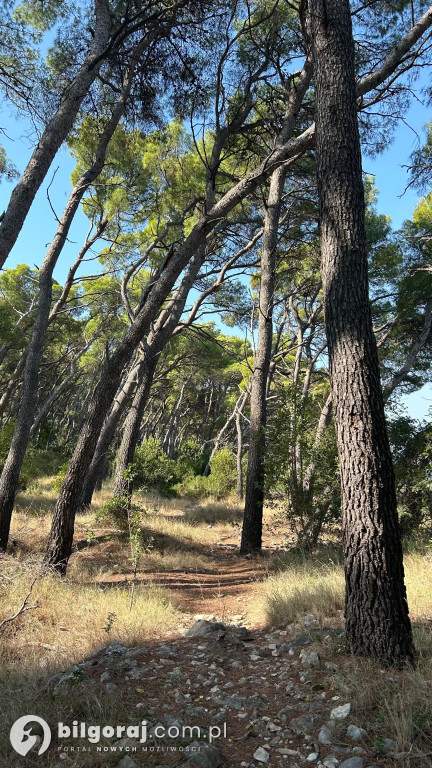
{"x":153,"y":469}
{"x":6,"y":433}
{"x":114,"y":510}
{"x":37,"y":463}
{"x":60,"y":476}
{"x":223,"y":473}
{"x":191,"y":460}
{"x":7,"y":169}
{"x":292,"y":434}
{"x":110,"y":621}
{"x":412,"y":452}
{"x":218,"y":484}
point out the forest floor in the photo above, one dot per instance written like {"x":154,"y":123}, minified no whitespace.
{"x":189,"y":569}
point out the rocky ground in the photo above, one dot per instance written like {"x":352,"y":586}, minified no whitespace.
{"x":271,"y":690}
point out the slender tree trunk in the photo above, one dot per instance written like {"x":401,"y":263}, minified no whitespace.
{"x":377,"y":621}
{"x":222,"y":432}
{"x":252,"y":522}
{"x":69,"y":500}
{"x":132,"y":425}
{"x":12,"y":468}
{"x":107,"y":433}
{"x":239,"y":430}
{"x":156,"y":342}
{"x":54,"y":134}
{"x":41,"y":416}
{"x":323,"y":423}
{"x":11,"y":385}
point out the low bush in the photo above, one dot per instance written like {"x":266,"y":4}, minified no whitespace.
{"x":153,"y":469}
{"x":218,"y":484}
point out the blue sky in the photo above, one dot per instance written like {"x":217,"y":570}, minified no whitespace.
{"x":391,"y":179}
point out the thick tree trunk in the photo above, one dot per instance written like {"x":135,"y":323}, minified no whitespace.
{"x":377,"y":621}
{"x":54,"y":135}
{"x":12,"y":468}
{"x":252,"y":522}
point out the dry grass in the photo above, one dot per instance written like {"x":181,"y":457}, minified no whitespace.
{"x":74,"y":614}
{"x":297,"y":589}
{"x":393,"y":704}
{"x":72,"y":618}
{"x":316,"y":585}
{"x":396,"y":704}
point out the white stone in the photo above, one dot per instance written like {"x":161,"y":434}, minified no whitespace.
{"x":341,"y":712}
{"x":127,"y":762}
{"x":261,"y":755}
{"x":325,"y":736}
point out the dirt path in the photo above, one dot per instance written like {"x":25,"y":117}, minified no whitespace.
{"x":221,"y":591}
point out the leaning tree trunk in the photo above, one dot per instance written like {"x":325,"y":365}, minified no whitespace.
{"x":377,"y":621}
{"x":253,"y":512}
{"x":239,"y":457}
{"x":70,"y":497}
{"x":54,"y":134}
{"x":107,"y":433}
{"x":131,"y":430}
{"x":12,"y":468}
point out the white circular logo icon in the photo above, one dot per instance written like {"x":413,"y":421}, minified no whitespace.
{"x":23,"y":740}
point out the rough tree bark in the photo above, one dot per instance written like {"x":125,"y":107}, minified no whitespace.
{"x":192,"y":252}
{"x":377,"y":621}
{"x":54,"y":134}
{"x":254,"y":497}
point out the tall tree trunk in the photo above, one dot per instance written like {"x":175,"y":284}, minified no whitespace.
{"x":252,"y":522}
{"x":132,"y":425}
{"x":107,"y":433}
{"x":54,"y":134}
{"x":12,"y":468}
{"x":239,"y":430}
{"x":377,"y":621}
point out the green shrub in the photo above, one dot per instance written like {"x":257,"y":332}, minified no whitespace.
{"x":194,"y":487}
{"x":220,"y":482}
{"x":114,"y":510}
{"x":191,"y":460}
{"x":60,"y":476}
{"x":37,"y":462}
{"x":223,"y":473}
{"x":153,"y":469}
